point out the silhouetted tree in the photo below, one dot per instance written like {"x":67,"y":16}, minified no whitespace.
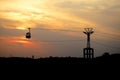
{"x":106,"y":54}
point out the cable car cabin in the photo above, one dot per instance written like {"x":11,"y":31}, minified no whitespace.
{"x":28,"y":35}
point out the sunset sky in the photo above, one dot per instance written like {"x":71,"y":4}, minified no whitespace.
{"x":57,"y":27}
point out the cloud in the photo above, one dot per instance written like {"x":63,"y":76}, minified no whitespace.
{"x":103,"y":13}
{"x":60,"y":14}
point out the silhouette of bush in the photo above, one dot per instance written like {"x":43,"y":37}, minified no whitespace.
{"x":106,"y":54}
{"x":106,"y":58}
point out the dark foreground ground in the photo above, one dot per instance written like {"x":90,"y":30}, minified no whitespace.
{"x":104,"y":59}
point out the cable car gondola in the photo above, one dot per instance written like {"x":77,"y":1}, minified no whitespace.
{"x":28,"y":34}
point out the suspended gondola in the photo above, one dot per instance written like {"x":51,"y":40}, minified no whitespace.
{"x":28,"y":34}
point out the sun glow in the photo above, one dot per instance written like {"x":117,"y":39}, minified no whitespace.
{"x":21,"y":28}
{"x":21,"y":40}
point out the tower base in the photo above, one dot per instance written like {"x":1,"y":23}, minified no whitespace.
{"x":88,"y":53}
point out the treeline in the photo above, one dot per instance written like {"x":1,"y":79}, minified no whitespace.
{"x":104,"y":59}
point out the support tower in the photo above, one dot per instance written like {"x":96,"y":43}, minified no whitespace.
{"x":88,"y":52}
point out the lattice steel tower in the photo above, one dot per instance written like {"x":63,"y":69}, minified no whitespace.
{"x":88,"y":52}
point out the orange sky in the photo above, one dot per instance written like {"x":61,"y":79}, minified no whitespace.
{"x":17,"y":15}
